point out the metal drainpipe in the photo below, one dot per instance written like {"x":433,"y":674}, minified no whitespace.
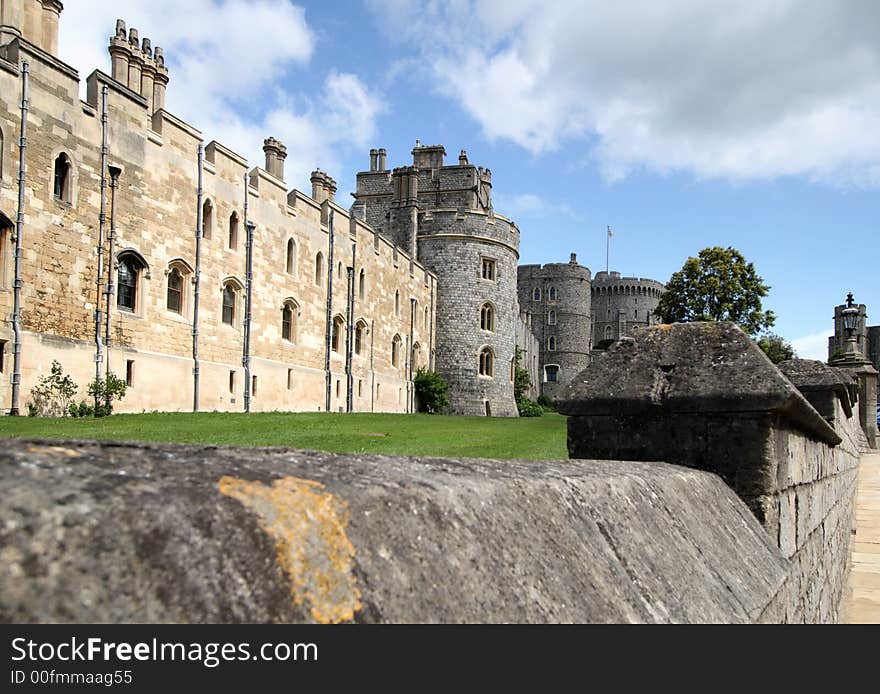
{"x":372,"y":370}
{"x":431,"y":329}
{"x":19,"y":229}
{"x":114,"y":171}
{"x":349,"y":347}
{"x":197,"y":280}
{"x":329,"y":330}
{"x":102,"y":219}
{"x":410,"y":395}
{"x":249,"y":283}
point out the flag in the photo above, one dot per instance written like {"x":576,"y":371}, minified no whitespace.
{"x":609,"y":233}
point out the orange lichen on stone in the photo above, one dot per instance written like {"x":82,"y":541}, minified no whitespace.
{"x":308,"y":527}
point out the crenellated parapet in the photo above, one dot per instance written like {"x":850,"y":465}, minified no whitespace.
{"x":139,"y":66}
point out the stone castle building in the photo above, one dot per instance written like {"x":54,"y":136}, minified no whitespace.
{"x":211,"y":286}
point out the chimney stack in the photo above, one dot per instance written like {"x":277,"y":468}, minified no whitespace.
{"x":382,"y":155}
{"x":276,"y":153}
{"x":317,"y":180}
{"x":49,"y":26}
{"x":120,"y":53}
{"x":136,"y":62}
{"x":374,"y":156}
{"x":160,"y":83}
{"x":574,"y":259}
{"x":462,"y":158}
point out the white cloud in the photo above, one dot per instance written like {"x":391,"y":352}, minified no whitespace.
{"x":814,"y":346}
{"x":230,"y":64}
{"x":530,"y":205}
{"x":740,"y":89}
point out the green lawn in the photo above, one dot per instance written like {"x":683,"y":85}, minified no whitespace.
{"x":539,"y":438}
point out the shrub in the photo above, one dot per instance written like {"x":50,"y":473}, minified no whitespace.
{"x":53,"y":394}
{"x":521,"y":380}
{"x":546,"y":403}
{"x":432,"y":391}
{"x":529,"y":408}
{"x":105,"y":391}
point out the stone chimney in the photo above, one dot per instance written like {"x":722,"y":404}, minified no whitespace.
{"x":49,"y":25}
{"x":428,"y":156}
{"x":148,"y":74}
{"x":574,"y":259}
{"x":382,"y":154}
{"x":120,"y":53}
{"x":374,"y":156}
{"x":329,"y":188}
{"x":276,"y":153}
{"x":160,"y":83}
{"x":135,"y":63}
{"x":319,"y":187}
{"x":462,"y":158}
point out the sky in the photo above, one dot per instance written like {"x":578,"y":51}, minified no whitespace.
{"x":681,"y":124}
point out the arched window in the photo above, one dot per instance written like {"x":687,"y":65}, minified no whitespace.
{"x":552,"y":293}
{"x":609,"y":334}
{"x":360,"y":335}
{"x":62,"y":178}
{"x":130,"y":270}
{"x":397,"y":303}
{"x":230,"y":299}
{"x":395,"y":351}
{"x":551,"y":318}
{"x":536,"y":294}
{"x":552,"y":372}
{"x":551,"y":343}
{"x":2,"y":153}
{"x":176,"y":292}
{"x":339,"y":272}
{"x":427,"y":317}
{"x":487,"y":318}
{"x":6,"y":228}
{"x":207,"y":219}
{"x":416,"y":356}
{"x":290,"y":262}
{"x":233,"y":231}
{"x":336,"y":334}
{"x":487,"y":362}
{"x":319,"y":269}
{"x":288,"y":320}
{"x":362,"y":285}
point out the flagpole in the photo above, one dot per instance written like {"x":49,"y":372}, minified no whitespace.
{"x":608,"y":250}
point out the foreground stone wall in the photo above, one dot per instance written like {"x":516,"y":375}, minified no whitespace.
{"x":705,"y":396}
{"x":154,"y":533}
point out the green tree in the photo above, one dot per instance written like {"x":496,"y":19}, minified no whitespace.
{"x":521,"y":380}
{"x":432,"y":391}
{"x":776,"y":347}
{"x":53,"y":394}
{"x":105,"y":391}
{"x":718,"y":285}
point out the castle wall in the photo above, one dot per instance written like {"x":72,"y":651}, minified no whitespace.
{"x":557,"y":297}
{"x":156,"y":215}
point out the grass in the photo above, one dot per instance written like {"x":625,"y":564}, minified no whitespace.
{"x":540,"y":438}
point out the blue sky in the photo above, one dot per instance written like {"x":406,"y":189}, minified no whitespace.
{"x":682,"y":124}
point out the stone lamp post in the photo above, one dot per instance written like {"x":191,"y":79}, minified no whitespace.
{"x":853,"y":360}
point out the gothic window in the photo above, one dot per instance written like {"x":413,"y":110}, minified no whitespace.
{"x":416,"y":356}
{"x":174,"y":300}
{"x":536,"y":294}
{"x":207,"y":219}
{"x":552,"y":293}
{"x":319,"y":269}
{"x":487,"y":362}
{"x":360,"y":333}
{"x":233,"y":232}
{"x":551,"y":318}
{"x":395,"y":350}
{"x":362,"y":285}
{"x":487,"y":318}
{"x":426,"y":318}
{"x":290,"y":263}
{"x":62,"y":178}
{"x":551,"y":343}
{"x":552,"y":373}
{"x":6,"y":228}
{"x":129,"y":273}
{"x":288,"y":320}
{"x":230,"y":299}
{"x":488,"y":269}
{"x":397,"y":303}
{"x":2,"y":153}
{"x":336,"y":332}
{"x":608,"y":332}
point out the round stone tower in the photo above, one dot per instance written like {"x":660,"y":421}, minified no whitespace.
{"x":621,"y":304}
{"x":557,"y":296}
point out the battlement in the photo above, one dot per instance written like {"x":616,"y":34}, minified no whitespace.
{"x":139,"y":66}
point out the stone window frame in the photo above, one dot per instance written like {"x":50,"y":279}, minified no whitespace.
{"x":291,"y":257}
{"x":555,"y":378}
{"x":141,"y":274}
{"x":552,"y":343}
{"x":486,"y":362}
{"x":290,"y":304}
{"x":337,"y":334}
{"x":416,"y":355}
{"x":232,"y":232}
{"x":237,"y":287}
{"x":492,"y":265}
{"x":487,"y":317}
{"x":7,"y":229}
{"x":551,"y":317}
{"x":187,"y":277}
{"x":396,"y":345}
{"x":71,"y":189}
{"x":609,"y":333}
{"x":552,"y":294}
{"x":208,"y":209}
{"x":397,"y":303}
{"x":362,"y":285}
{"x":536,"y":294}
{"x":3,"y":156}
{"x":361,"y":330}
{"x":319,"y":269}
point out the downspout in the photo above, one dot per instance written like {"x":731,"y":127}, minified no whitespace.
{"x":431,"y":330}
{"x":114,"y":184}
{"x":102,"y":219}
{"x":410,"y":394}
{"x":248,"y":287}
{"x":19,"y":229}
{"x":349,"y":348}
{"x":329,"y":329}
{"x":197,"y":280}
